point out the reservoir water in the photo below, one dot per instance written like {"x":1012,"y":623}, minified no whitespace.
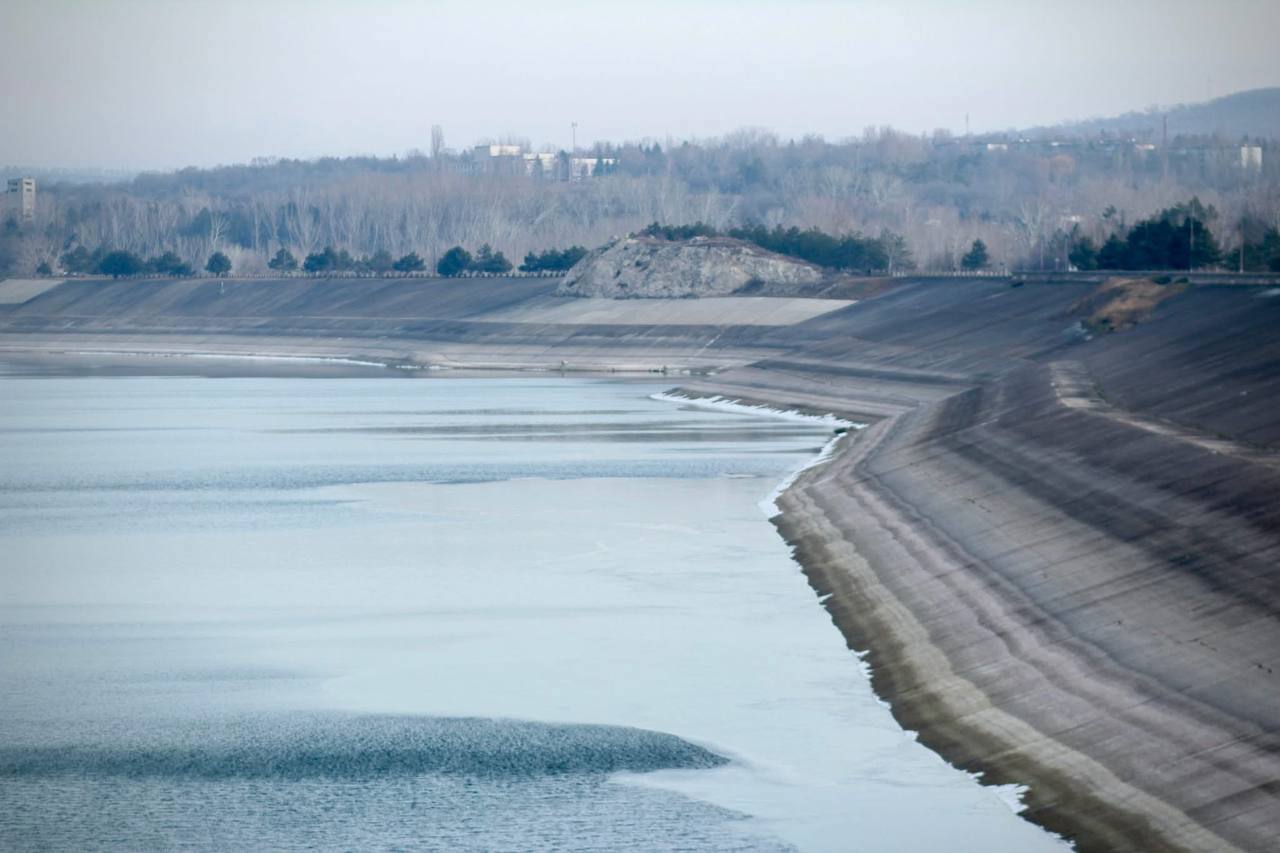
{"x":456,"y":614}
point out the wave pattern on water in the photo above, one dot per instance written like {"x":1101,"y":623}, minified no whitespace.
{"x":285,"y":782}
{"x":352,"y":747}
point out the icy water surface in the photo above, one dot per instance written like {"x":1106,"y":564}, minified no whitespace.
{"x":464,"y":614}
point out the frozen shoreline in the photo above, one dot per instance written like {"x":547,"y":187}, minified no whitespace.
{"x":841,"y":427}
{"x":280,"y":365}
{"x":1010,"y":794}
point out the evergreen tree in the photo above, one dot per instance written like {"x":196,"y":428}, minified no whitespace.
{"x":976,"y":258}
{"x":553,"y":259}
{"x":1267,"y":252}
{"x":119,"y":263}
{"x":218,"y":264}
{"x":380,"y":262}
{"x":343,"y":262}
{"x":409,"y":263}
{"x":1114,"y":254}
{"x":318,"y":262}
{"x":284,"y":261}
{"x":1202,"y":245}
{"x":315,"y":262}
{"x":77,"y":260}
{"x":1083,"y":254}
{"x":169,"y":264}
{"x":1177,"y":238}
{"x":532,"y":262}
{"x":487,"y":260}
{"x":851,"y":252}
{"x":454,"y":261}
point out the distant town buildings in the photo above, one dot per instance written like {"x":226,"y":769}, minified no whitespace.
{"x":542,"y":163}
{"x":514,"y":160}
{"x":25,"y":190}
{"x":498,"y":151}
{"x":1206,"y":154}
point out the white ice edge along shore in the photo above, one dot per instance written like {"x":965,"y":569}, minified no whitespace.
{"x":1011,"y":795}
{"x":724,"y":404}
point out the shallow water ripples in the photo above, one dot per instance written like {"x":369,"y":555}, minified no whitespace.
{"x":341,"y":781}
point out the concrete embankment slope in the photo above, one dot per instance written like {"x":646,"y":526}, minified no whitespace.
{"x":1060,"y":550}
{"x":1063,"y":556}
{"x":489,"y":323}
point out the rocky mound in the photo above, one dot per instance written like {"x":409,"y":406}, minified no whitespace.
{"x":643,"y":268}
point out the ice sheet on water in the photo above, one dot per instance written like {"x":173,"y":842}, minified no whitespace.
{"x":281,"y":570}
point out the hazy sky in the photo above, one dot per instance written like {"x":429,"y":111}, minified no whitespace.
{"x":145,"y":84}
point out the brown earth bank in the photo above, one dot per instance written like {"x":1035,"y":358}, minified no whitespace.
{"x":1060,"y":548}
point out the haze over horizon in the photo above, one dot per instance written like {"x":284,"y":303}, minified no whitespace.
{"x":140,"y":84}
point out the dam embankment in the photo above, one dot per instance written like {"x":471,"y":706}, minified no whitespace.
{"x":1060,"y":553}
{"x":1059,"y":549}
{"x":486,"y":323}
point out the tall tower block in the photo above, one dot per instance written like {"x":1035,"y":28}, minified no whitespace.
{"x":25,"y":189}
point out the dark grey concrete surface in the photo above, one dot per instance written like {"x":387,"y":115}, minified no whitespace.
{"x":1074,"y":589}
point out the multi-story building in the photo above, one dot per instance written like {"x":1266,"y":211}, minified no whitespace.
{"x":25,"y":189}
{"x":498,"y":159}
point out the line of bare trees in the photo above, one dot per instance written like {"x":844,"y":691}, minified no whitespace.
{"x":939,"y":193}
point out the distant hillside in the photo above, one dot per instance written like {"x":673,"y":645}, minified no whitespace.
{"x":46,"y":176}
{"x":1255,"y":113}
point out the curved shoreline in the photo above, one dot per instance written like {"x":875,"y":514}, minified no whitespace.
{"x":896,"y":652}
{"x":900,"y":656}
{"x":856,"y":546}
{"x":855,"y":769}
{"x":996,"y":677}
{"x":1058,"y":553}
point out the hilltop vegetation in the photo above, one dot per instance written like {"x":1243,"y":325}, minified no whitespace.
{"x":848,"y":252}
{"x":1254,"y":113}
{"x":1028,"y":201}
{"x":1178,"y":238}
